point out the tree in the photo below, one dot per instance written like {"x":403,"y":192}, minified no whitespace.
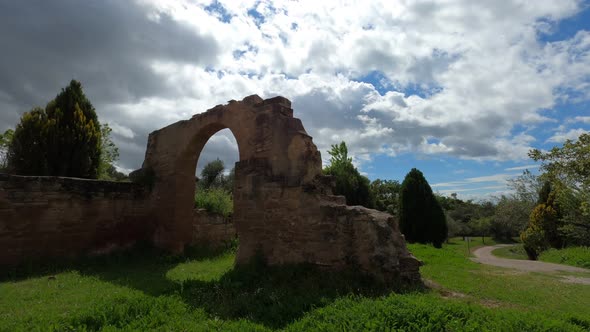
{"x":63,"y":139}
{"x":27,"y":153}
{"x":568,"y":169}
{"x":386,"y":195}
{"x":214,"y":190}
{"x":349,"y":182}
{"x":526,"y":186}
{"x":109,"y":154}
{"x":510,"y":218}
{"x":5,"y":141}
{"x":421,"y":218}
{"x":212,"y":174}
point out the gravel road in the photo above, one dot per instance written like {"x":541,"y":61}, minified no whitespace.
{"x":484,"y":255}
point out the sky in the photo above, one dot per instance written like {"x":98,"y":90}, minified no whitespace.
{"x":461,"y":90}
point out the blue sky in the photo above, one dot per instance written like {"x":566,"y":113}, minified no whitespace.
{"x":460,"y":89}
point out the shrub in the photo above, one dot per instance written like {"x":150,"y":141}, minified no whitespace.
{"x":215,"y":200}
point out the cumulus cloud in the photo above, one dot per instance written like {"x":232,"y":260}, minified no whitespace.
{"x":452,"y":78}
{"x":571,"y":134}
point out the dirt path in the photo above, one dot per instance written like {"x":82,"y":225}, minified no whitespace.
{"x":484,"y":255}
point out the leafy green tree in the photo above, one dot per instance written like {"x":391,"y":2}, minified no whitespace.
{"x":568,"y":169}
{"x":481,"y":227}
{"x":421,"y":218}
{"x":63,"y":139}
{"x":214,"y":189}
{"x":5,"y":141}
{"x":510,"y":218}
{"x":212,"y":174}
{"x":526,"y":187}
{"x":349,"y":182}
{"x":386,"y":195}
{"x":109,"y":154}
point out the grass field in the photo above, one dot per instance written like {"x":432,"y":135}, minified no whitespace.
{"x":513,"y":252}
{"x":146,"y":290}
{"x":576,"y":256}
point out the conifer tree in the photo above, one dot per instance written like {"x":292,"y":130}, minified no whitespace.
{"x":64,"y":139}
{"x":421,"y":218}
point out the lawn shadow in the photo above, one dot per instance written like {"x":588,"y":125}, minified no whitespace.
{"x":271,"y":296}
{"x":277,"y":296}
{"x":142,"y":267}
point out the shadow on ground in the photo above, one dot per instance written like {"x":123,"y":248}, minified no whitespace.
{"x":271,"y":296}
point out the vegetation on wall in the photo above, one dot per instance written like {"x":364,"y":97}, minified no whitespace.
{"x":348,"y":180}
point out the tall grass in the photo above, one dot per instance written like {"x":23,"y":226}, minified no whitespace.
{"x":215,"y":200}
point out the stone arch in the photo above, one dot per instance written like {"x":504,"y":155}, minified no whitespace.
{"x":284,"y":209}
{"x":268,"y":137}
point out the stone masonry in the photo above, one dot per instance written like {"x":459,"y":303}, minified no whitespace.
{"x":283,"y":207}
{"x":44,"y":217}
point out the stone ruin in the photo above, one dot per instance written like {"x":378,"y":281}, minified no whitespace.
{"x":283,"y":206}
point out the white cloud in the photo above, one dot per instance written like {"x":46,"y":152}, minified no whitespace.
{"x":122,"y":130}
{"x":582,"y":119}
{"x":463,"y":74}
{"x":521,"y":168}
{"x":571,"y":134}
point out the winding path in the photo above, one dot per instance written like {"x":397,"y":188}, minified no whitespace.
{"x":484,"y":255}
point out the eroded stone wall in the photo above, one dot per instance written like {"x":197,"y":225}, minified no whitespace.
{"x":43,"y":217}
{"x":283,"y":207}
{"x":212,"y":230}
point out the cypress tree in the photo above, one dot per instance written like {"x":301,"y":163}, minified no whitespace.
{"x":63,"y":139}
{"x":421,"y":218}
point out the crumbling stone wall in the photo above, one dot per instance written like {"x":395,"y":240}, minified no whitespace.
{"x":43,"y":217}
{"x":212,"y":230}
{"x":283,"y":207}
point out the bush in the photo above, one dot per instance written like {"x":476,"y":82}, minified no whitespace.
{"x":215,"y":200}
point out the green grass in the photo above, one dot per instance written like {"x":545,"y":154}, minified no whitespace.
{"x":146,"y":290}
{"x":575,"y":256}
{"x":513,"y":252}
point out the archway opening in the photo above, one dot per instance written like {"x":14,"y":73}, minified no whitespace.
{"x":214,"y":189}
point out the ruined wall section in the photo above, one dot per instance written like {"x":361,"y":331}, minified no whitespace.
{"x":290,"y":224}
{"x":42,"y":217}
{"x":283,"y":207}
{"x":212,"y":230}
